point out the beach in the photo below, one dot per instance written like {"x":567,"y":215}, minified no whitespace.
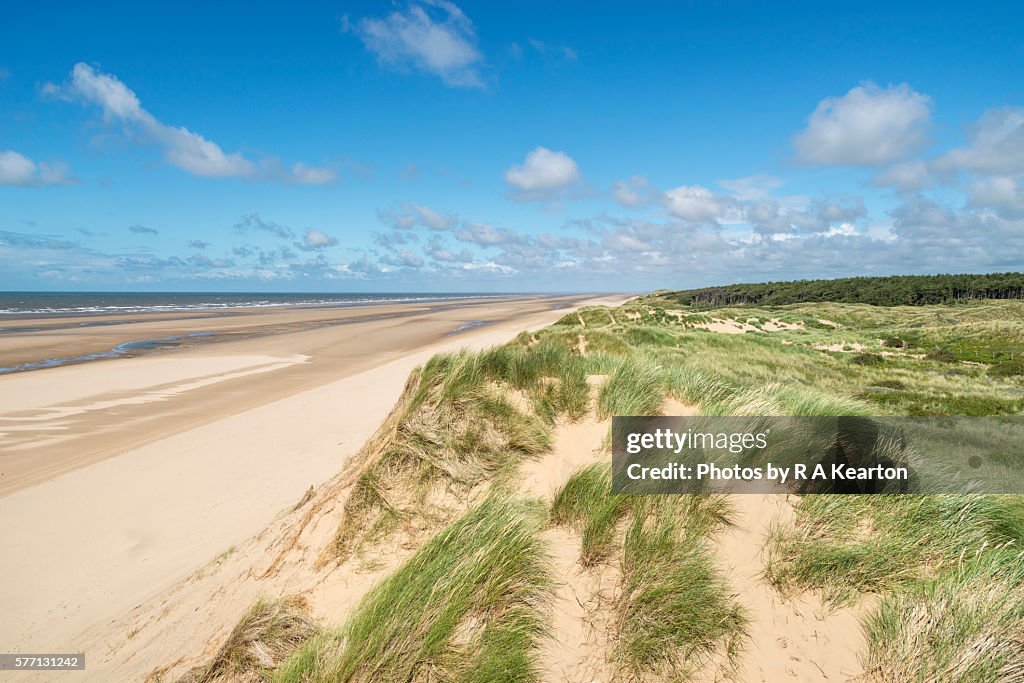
{"x":122,"y":476}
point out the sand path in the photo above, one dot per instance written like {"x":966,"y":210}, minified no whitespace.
{"x":797,"y":639}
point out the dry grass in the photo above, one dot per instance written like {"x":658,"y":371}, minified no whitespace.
{"x":263,"y":638}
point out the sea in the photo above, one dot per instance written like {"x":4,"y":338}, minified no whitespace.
{"x":33,"y":304}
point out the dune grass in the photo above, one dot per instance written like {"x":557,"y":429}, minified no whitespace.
{"x":269,"y":632}
{"x":848,"y":544}
{"x":467,"y":606}
{"x":585,"y":503}
{"x":452,"y":430}
{"x":634,"y":388}
{"x":966,"y":624}
{"x":673,"y":610}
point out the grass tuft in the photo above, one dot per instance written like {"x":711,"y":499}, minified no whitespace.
{"x":467,"y":606}
{"x":263,"y":638}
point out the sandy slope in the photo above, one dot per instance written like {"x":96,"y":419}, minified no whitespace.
{"x":84,"y":548}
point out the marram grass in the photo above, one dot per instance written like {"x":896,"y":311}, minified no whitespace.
{"x":468,"y":606}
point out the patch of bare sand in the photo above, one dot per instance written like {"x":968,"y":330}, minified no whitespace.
{"x":575,"y":445}
{"x":726,"y":326}
{"x":777,"y":325}
{"x":798,"y":639}
{"x":581,"y":628}
{"x":577,"y":651}
{"x":842,"y":347}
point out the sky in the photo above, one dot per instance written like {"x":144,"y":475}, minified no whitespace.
{"x":499,"y":147}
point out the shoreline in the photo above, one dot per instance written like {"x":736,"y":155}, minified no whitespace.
{"x":137,"y":520}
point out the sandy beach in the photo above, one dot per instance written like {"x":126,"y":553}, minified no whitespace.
{"x":121,"y":477}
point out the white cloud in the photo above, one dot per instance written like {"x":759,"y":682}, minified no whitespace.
{"x":907,"y":176}
{"x":182,"y":148}
{"x":312,"y":175}
{"x":543,"y":175}
{"x":868,"y":126}
{"x":444,"y":44}
{"x":693,"y":203}
{"x":432,"y":219}
{"x":752,"y":187}
{"x":436,"y":250}
{"x":412,"y":214}
{"x":18,"y":169}
{"x":484,"y":234}
{"x":996,"y":145}
{"x":634,"y":191}
{"x":1002,"y":193}
{"x":314,"y":239}
{"x":402,"y":258}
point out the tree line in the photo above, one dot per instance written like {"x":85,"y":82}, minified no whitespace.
{"x":895,"y":290}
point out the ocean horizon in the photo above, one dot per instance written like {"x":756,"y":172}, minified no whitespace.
{"x":28,"y":304}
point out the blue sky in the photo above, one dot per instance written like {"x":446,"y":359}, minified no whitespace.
{"x":534,"y":147}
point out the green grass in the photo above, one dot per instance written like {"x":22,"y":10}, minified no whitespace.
{"x":942,"y":566}
{"x":467,"y":606}
{"x":585,"y":503}
{"x":966,"y":624}
{"x":452,"y":429}
{"x":673,"y":610}
{"x":633,"y":389}
{"x":843,"y":545}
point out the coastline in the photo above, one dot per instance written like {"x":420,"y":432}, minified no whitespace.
{"x":152,"y":503}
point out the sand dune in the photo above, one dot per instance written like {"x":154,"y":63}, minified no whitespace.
{"x":190,"y":453}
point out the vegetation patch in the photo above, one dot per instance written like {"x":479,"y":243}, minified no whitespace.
{"x":843,"y":545}
{"x":468,"y":606}
{"x":673,"y":609}
{"x":963,"y":625}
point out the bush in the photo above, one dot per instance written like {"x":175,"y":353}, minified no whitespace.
{"x":1007,"y":368}
{"x":941,"y":355}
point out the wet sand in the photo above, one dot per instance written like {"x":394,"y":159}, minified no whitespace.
{"x":57,"y":419}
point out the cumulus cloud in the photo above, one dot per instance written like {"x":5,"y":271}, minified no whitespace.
{"x":433,"y":36}
{"x":543,"y":175}
{"x":17,"y":169}
{"x":694,"y":203}
{"x":312,"y":175}
{"x":436,"y":250}
{"x":198,"y":244}
{"x":402,"y":258}
{"x":143,"y":230}
{"x":484,"y":234}
{"x":390,"y":240}
{"x":868,"y":126}
{"x":996,"y":145}
{"x":314,"y":239}
{"x":182,"y":148}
